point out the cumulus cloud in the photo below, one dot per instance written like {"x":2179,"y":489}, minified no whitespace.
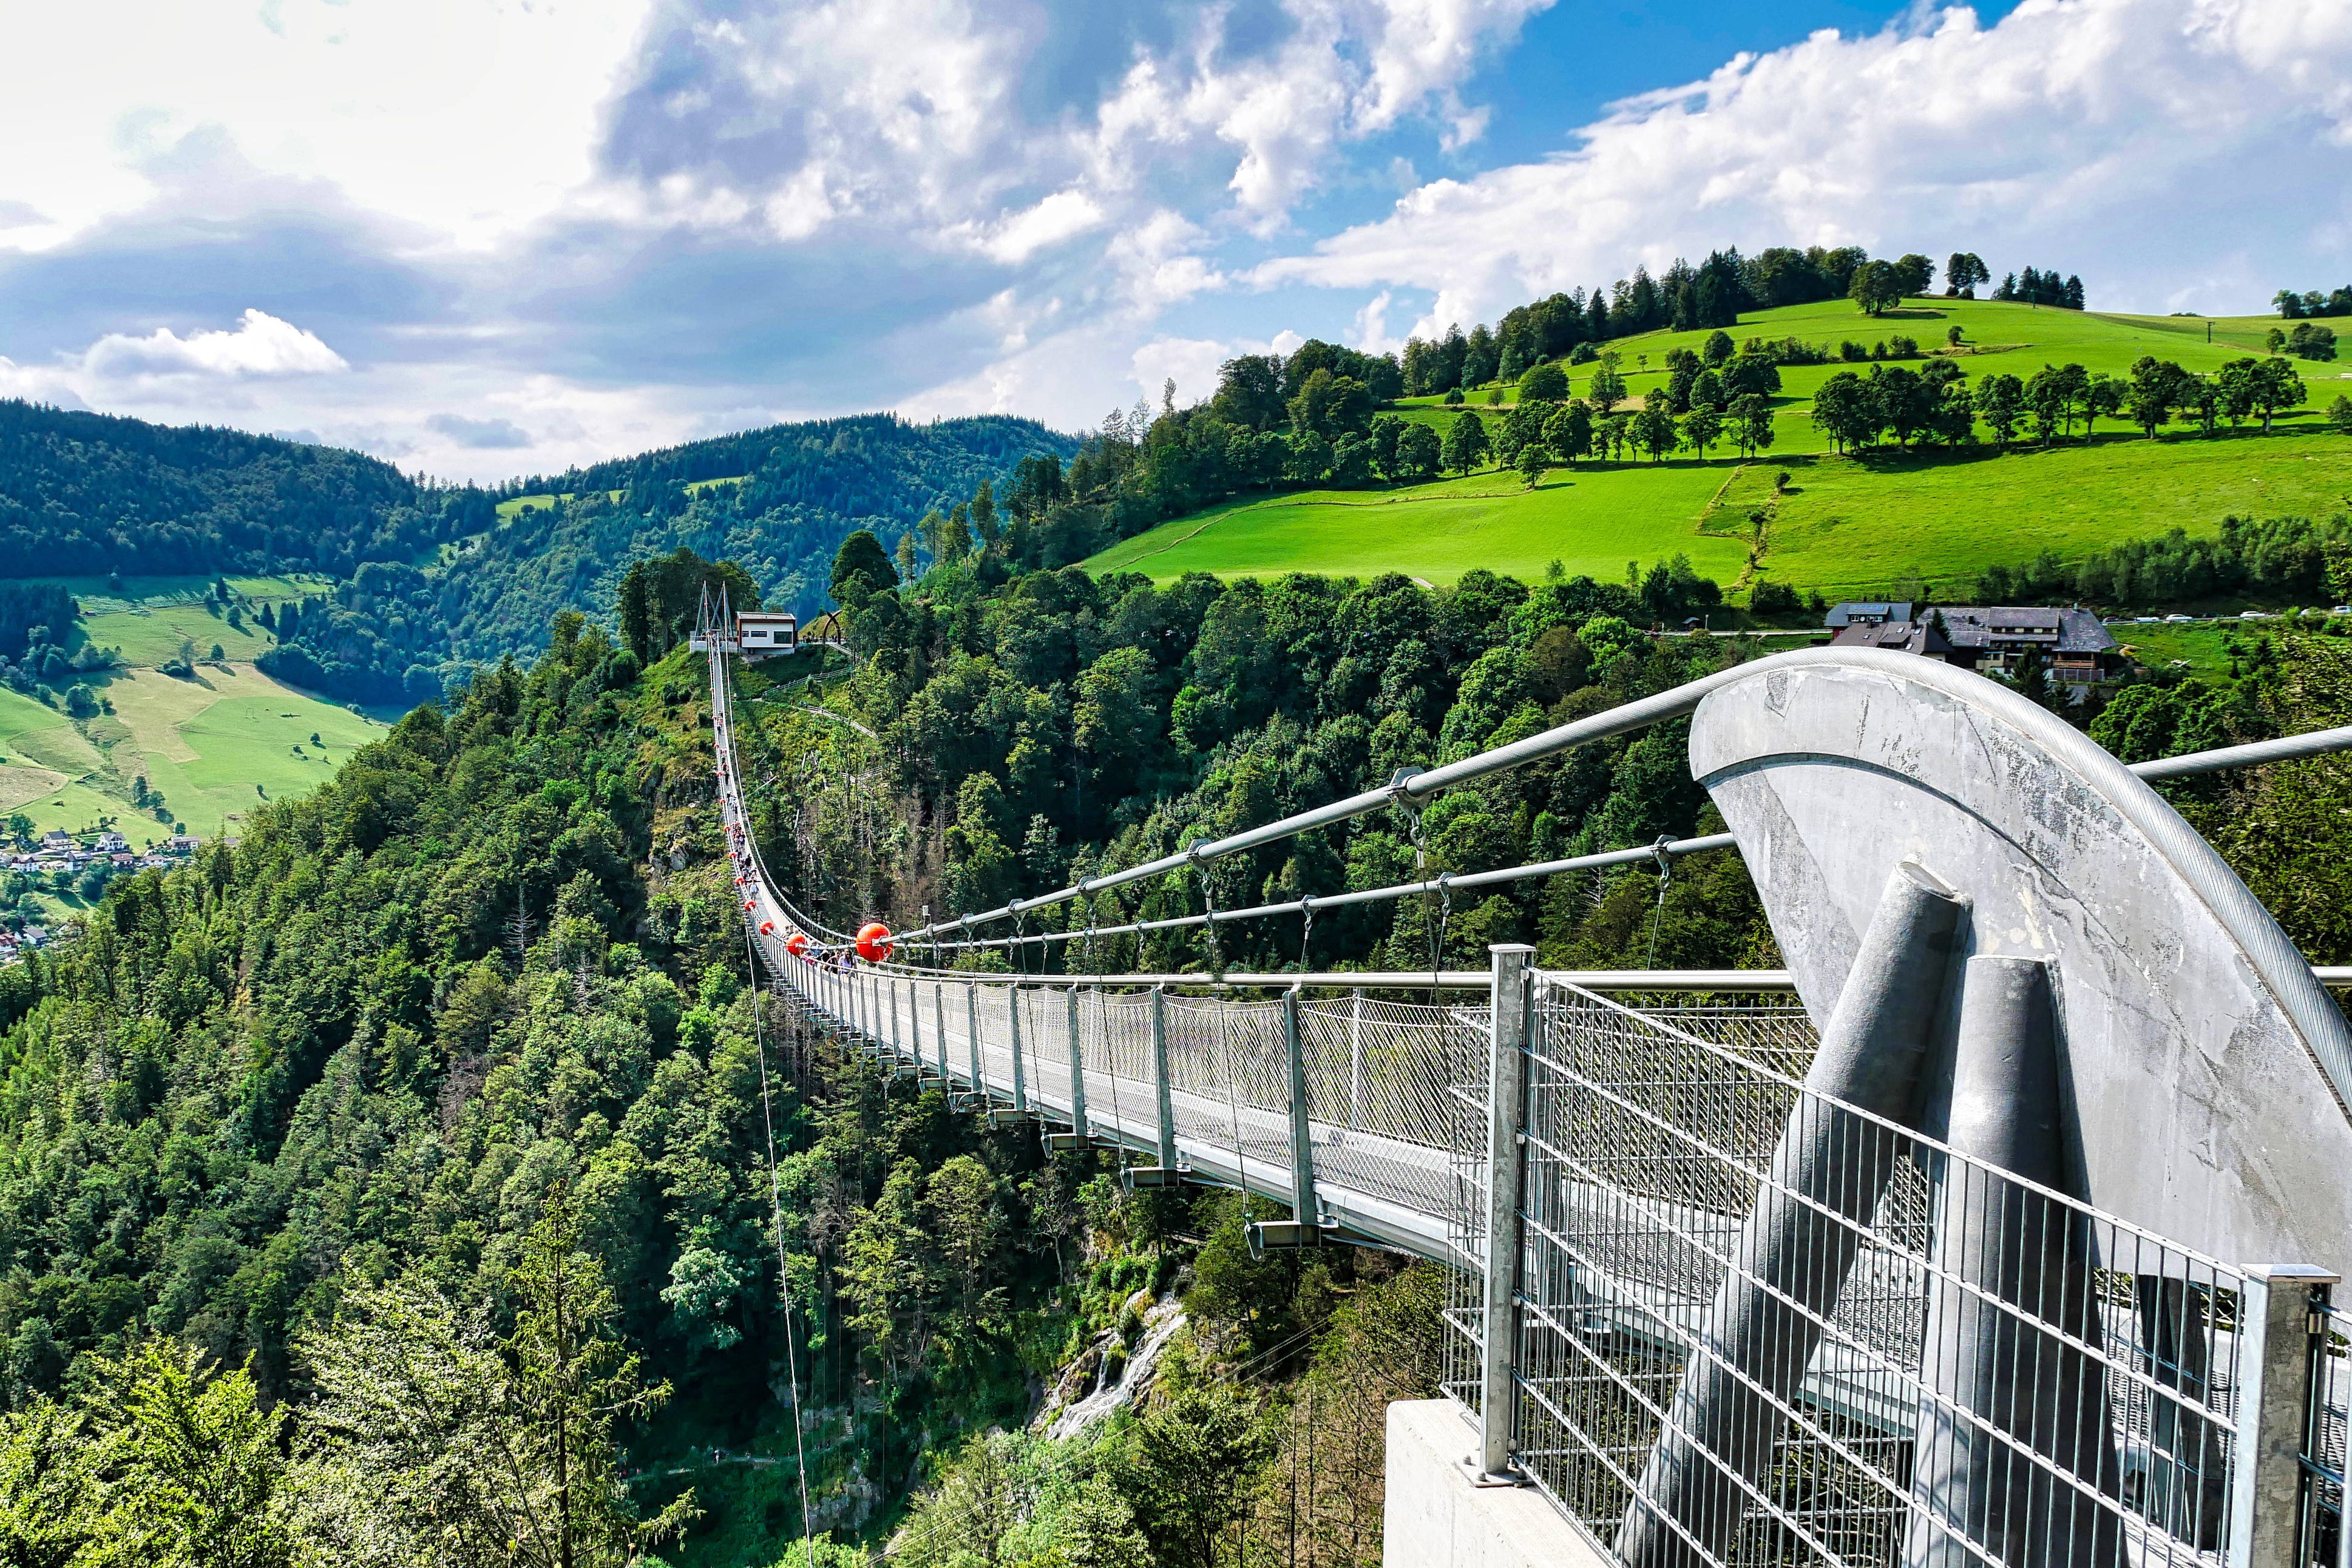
{"x":259,"y":345}
{"x":1065,"y":215}
{"x":2174,"y":152}
{"x":1011,"y":132}
{"x":162,"y":366}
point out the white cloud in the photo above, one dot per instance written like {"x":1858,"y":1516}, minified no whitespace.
{"x":206,"y":366}
{"x":473,"y":118}
{"x":910,"y":112}
{"x":259,"y":345}
{"x":1064,"y":215}
{"x":2139,"y":141}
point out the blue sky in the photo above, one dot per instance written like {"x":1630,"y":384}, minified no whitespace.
{"x":483,"y":238}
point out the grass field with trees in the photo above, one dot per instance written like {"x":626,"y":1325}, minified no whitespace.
{"x":1822,"y":508}
{"x":161,"y":721}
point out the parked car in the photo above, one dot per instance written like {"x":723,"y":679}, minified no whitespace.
{"x":2179,"y":618}
{"x":2252,"y":615}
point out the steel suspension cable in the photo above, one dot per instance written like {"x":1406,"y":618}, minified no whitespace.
{"x":1641,"y":714}
{"x":776,"y":1215}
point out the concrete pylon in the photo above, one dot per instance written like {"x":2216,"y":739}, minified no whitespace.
{"x":2010,"y":1407}
{"x":1800,"y":1240}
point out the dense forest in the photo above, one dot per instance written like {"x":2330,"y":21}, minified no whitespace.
{"x":423,"y":1134}
{"x":92,"y":493}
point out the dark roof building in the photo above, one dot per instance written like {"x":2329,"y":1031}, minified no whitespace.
{"x":1994,"y":640}
{"x":1867,"y":612}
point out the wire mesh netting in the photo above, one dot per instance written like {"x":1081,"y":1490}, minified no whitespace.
{"x":1752,"y":1325}
{"x":1381,"y":1075}
{"x":1758,"y":1326}
{"x":2322,"y":1535}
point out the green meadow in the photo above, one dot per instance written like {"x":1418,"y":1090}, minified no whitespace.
{"x":1592,"y":521}
{"x":514,"y":505}
{"x":213,"y":744}
{"x":1839,"y":525}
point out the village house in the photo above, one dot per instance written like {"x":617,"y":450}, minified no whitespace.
{"x":1997,"y":639}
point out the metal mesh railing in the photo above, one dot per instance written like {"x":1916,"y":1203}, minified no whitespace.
{"x":1381,"y":1075}
{"x":2323,"y":1543}
{"x":1757,"y":1326}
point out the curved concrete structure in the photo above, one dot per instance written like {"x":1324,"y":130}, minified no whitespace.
{"x":2205,"y":1070}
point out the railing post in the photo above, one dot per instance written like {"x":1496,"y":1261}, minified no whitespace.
{"x":1512,"y":1015}
{"x":1077,"y":1073}
{"x":893,"y":985}
{"x":939,"y":1027}
{"x":1356,"y":1061}
{"x":1305,"y":1226}
{"x":2278,"y":1323}
{"x":971,"y":1035}
{"x":1305,"y":1207}
{"x":1020,"y":1077}
{"x":1160,"y":1078}
{"x":915,"y":1026}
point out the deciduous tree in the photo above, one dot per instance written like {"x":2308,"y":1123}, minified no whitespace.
{"x":1465,"y":442}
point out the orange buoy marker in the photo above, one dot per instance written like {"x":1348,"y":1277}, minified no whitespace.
{"x":767,"y":928}
{"x":796,"y":943}
{"x":874,"y":942}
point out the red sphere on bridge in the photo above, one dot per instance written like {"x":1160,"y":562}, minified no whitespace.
{"x":874,"y":942}
{"x":796,"y":943}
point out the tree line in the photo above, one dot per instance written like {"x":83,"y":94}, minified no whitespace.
{"x":2296,"y":306}
{"x":2034,"y":288}
{"x":86,"y":493}
{"x":1574,"y":325}
{"x":1937,"y":405}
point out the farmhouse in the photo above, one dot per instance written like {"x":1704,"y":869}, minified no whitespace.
{"x":1997,"y":639}
{"x":1866,"y":612}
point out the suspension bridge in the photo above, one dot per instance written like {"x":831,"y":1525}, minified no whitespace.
{"x":2000,"y":1229}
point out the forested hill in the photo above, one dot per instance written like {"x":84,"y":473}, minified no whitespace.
{"x":866,"y":466}
{"x":777,"y":501}
{"x":431,"y":579}
{"x":83,"y":492}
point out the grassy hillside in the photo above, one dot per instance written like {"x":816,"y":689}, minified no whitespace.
{"x":213,"y":744}
{"x":1998,"y":338}
{"x":1840,"y":524}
